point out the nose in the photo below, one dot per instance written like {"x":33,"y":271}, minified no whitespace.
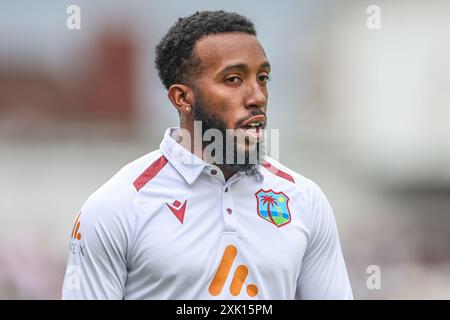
{"x":257,"y":96}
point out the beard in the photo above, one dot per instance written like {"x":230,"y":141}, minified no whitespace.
{"x":251,"y":163}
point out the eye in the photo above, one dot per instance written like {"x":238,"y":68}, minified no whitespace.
{"x":264,"y":78}
{"x":233,"y":80}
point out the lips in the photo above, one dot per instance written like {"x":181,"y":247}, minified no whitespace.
{"x":252,"y":128}
{"x":260,"y":119}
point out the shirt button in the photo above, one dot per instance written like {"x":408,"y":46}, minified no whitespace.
{"x":229,"y":211}
{"x":226,"y":189}
{"x":213,"y":172}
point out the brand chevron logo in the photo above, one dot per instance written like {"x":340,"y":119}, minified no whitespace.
{"x":240,"y":274}
{"x":178,"y":209}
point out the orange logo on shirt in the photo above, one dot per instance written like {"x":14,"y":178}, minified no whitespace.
{"x":240,"y":274}
{"x":76,"y":227}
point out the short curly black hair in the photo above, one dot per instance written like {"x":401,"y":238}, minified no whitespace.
{"x":175,"y":61}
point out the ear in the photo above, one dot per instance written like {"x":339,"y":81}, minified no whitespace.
{"x":182,"y":98}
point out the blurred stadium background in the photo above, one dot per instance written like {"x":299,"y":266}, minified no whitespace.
{"x":364,"y":113}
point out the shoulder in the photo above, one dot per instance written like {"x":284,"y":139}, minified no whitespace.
{"x":304,"y":191}
{"x":114,"y":201}
{"x":307,"y":187}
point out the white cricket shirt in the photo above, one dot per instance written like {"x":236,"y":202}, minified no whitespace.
{"x":168,"y":226}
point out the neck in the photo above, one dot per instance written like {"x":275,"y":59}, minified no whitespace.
{"x":227,"y":173}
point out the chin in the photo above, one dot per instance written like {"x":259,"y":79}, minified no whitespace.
{"x":248,"y":147}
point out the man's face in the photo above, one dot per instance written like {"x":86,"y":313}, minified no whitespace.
{"x":231,"y":89}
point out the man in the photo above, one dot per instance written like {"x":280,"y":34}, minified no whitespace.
{"x":182,"y":223}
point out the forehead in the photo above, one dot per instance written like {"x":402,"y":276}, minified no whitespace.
{"x":219,"y":50}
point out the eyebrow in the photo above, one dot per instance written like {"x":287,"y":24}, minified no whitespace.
{"x":242,"y":66}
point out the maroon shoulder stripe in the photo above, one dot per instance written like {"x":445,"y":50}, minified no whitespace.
{"x":150,"y":173}
{"x":278,"y":172}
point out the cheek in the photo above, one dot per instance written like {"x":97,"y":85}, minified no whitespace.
{"x":225,"y":103}
{"x":229,"y":108}
{"x":233,"y":115}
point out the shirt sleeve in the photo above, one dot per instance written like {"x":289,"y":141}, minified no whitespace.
{"x":96,"y":267}
{"x":323,"y":274}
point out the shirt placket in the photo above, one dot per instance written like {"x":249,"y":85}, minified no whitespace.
{"x":228,"y":209}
